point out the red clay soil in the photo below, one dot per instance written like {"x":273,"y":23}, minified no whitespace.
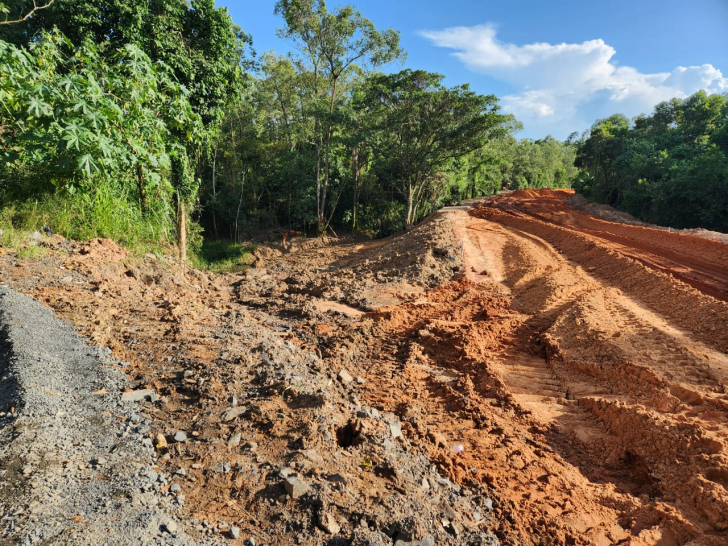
{"x":586,"y":388}
{"x":700,"y":262}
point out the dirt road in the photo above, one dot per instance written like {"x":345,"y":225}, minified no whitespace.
{"x":609,"y":375}
{"x":513,"y":371}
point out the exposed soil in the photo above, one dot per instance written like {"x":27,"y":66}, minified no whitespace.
{"x":558,"y":378}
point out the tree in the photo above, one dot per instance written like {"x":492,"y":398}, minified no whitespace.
{"x":197,"y":41}
{"x":78,"y":123}
{"x":421,"y":125}
{"x":24,"y":13}
{"x":667,"y":168}
{"x":332,"y":44}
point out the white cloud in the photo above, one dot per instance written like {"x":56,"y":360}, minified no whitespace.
{"x":557,"y":81}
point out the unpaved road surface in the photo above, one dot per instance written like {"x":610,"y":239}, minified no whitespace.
{"x":74,"y":467}
{"x":511,"y":371}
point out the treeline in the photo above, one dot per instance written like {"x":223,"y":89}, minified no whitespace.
{"x":125,"y":119}
{"x":669,"y":168}
{"x":108,"y":110}
{"x":320,"y":141}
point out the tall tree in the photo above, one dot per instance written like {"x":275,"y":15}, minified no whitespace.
{"x":422,"y":125}
{"x":199,"y":42}
{"x":332,"y":44}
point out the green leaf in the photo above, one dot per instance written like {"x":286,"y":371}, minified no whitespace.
{"x":87,"y":164}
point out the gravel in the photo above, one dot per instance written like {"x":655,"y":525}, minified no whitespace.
{"x":74,"y":468}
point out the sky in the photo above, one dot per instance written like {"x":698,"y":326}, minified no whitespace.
{"x":557,"y":65}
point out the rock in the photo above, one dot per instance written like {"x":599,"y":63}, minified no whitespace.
{"x":455,"y":529}
{"x":360,"y":380}
{"x":170,"y":527}
{"x":477,"y":516}
{"x":138,"y":395}
{"x":181,"y":472}
{"x":488,"y":539}
{"x":175,"y":488}
{"x":488,"y":503}
{"x":449,"y":512}
{"x":337,"y":478}
{"x":442,"y":251}
{"x":428,"y":541}
{"x":345,"y":377}
{"x":232,"y":413}
{"x":395,"y":427}
{"x":234,"y":532}
{"x":424,"y":485}
{"x":233,"y":401}
{"x":295,"y":487}
{"x":328,"y":524}
{"x":234,"y":440}
{"x":180,"y":436}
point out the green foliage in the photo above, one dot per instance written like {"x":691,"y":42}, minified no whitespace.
{"x":117,"y":117}
{"x":222,"y":256}
{"x":511,"y":164}
{"x":334,"y":47}
{"x":74,"y":119}
{"x":670,"y":168}
{"x":129,"y":96}
{"x":83,"y":216}
{"x":103,"y":136}
{"x":417,"y":126}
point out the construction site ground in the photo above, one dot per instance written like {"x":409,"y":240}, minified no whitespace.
{"x":519,"y":370}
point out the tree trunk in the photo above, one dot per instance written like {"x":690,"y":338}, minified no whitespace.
{"x":410,"y":205}
{"x":327,"y":153}
{"x":214,"y":194}
{"x":182,"y":230}
{"x":240,"y":204}
{"x":319,"y":212}
{"x":355,"y":169}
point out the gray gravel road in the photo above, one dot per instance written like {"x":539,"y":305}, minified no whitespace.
{"x":75,"y":464}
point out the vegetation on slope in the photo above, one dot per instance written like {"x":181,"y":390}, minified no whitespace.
{"x":669,"y":168}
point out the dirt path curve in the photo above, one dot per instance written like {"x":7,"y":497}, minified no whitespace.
{"x":587,"y":389}
{"x":698,"y":261}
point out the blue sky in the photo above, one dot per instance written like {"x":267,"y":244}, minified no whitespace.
{"x":557,"y":65}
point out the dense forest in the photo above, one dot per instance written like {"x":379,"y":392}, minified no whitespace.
{"x":669,"y":168}
{"x":127,"y":119}
{"x":157,"y":122}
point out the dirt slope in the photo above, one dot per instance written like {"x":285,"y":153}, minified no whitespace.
{"x":557,"y":378}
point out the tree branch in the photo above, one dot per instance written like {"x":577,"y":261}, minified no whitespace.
{"x":36,"y":7}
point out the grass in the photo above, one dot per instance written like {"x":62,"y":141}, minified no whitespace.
{"x":32,"y":251}
{"x":105,"y":213}
{"x":82,"y":217}
{"x":222,"y":256}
